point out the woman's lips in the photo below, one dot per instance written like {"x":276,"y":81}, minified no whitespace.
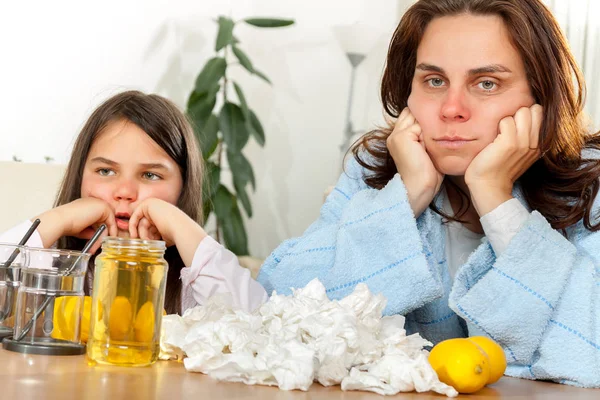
{"x":454,"y":142}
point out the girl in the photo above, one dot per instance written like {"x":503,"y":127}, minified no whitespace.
{"x":475,"y":213}
{"x":135,"y":167}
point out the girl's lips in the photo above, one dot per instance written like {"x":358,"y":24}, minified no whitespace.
{"x":123,"y":223}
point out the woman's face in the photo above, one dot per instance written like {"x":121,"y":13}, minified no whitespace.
{"x":124,"y":167}
{"x":468,"y":77}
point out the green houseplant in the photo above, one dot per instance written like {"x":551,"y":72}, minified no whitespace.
{"x":224,"y":133}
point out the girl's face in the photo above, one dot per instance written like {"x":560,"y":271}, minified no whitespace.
{"x":468,"y":77}
{"x":124,"y":167}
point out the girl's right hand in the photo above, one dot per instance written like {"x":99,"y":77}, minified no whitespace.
{"x":407,"y":148}
{"x":79,"y":218}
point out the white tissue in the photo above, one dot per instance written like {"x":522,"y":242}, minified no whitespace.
{"x":292,"y":341}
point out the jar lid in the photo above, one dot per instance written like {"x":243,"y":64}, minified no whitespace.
{"x":133,"y":244}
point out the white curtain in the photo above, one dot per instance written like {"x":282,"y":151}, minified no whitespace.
{"x":580,"y":22}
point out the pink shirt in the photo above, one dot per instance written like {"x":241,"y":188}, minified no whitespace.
{"x":214,"y":270}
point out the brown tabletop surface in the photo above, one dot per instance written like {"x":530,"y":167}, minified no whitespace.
{"x":69,"y":377}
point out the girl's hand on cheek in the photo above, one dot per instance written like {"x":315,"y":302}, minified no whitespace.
{"x":147,"y":231}
{"x":153,"y":219}
{"x":79,"y":218}
{"x":493,"y":172}
{"x":157,"y":219}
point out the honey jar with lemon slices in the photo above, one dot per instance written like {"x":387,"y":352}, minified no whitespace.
{"x":127,"y":302}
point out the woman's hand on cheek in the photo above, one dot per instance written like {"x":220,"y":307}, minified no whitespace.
{"x":493,"y":172}
{"x":157,"y":219}
{"x":420,"y":177}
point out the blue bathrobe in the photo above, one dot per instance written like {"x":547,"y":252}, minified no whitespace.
{"x":540,"y":299}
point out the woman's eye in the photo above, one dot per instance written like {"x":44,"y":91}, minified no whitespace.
{"x":436,"y":82}
{"x":105,"y":172}
{"x":151,"y":176}
{"x":487,"y":85}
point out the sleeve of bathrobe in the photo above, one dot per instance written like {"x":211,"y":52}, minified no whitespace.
{"x":540,"y":299}
{"x":362,"y":235}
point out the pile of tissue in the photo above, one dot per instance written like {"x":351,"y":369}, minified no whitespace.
{"x":292,"y":341}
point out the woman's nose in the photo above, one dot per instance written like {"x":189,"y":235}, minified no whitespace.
{"x":454,"y":107}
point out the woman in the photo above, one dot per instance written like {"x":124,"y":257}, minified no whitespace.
{"x":475,"y":213}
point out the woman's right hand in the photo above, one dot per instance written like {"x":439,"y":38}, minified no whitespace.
{"x":407,"y":148}
{"x":79,"y":218}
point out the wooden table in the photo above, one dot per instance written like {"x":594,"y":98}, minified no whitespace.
{"x":69,"y":377}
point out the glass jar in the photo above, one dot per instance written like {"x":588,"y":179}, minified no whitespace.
{"x":128,"y":297}
{"x":10,"y":278}
{"x":50,"y":303}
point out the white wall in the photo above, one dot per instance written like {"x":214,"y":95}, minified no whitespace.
{"x":60,"y":59}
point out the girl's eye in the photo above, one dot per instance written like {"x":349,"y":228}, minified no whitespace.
{"x":487,"y":85}
{"x":151,"y":176}
{"x":105,"y":172}
{"x":435,"y":82}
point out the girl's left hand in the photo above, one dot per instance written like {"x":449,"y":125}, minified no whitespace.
{"x":493,"y":172}
{"x":151,"y":220}
{"x":155,"y":219}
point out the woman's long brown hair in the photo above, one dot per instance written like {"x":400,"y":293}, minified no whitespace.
{"x":169,"y":128}
{"x":563,"y":184}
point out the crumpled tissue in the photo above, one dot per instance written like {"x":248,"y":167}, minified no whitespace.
{"x":292,"y":341}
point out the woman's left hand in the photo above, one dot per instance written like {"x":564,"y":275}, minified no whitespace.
{"x":493,"y":172}
{"x":155,"y":219}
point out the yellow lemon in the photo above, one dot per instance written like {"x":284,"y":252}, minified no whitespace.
{"x":120,"y":318}
{"x":461,"y":364}
{"x":85,"y":318}
{"x":63,"y":318}
{"x":495,"y":354}
{"x":144,"y":323}
{"x":66,"y":313}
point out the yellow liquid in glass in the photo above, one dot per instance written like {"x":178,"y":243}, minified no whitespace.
{"x":125,"y":324}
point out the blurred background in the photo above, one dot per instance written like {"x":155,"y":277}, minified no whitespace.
{"x":62,"y":58}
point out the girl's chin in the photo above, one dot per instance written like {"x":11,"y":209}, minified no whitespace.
{"x":122,"y":233}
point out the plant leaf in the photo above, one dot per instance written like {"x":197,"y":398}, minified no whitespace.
{"x":243,"y":103}
{"x":200,"y":106}
{"x":207,"y":208}
{"x":241,"y":169}
{"x":234,"y":232}
{"x":262,"y":76}
{"x":211,"y":74}
{"x":269,"y":22}
{"x":230,"y":220}
{"x":225,"y":34}
{"x":256,"y":129}
{"x":212,"y":178}
{"x":240,"y":191}
{"x":243,"y":58}
{"x":233,"y":126}
{"x":210,"y":185}
{"x":208,"y":136}
{"x":223,"y":202}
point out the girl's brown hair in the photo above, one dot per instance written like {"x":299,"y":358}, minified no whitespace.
{"x":563,"y":184}
{"x":169,"y":128}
